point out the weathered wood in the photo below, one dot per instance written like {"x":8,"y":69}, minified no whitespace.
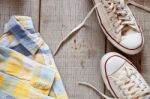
{"x":78,"y":60}
{"x":18,"y":7}
{"x":145,"y":22}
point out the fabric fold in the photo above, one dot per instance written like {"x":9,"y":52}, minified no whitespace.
{"x":23,"y":30}
{"x":27,"y":67}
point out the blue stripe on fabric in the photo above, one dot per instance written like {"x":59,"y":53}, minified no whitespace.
{"x":18,"y":32}
{"x":48,"y":97}
{"x":43,"y":51}
{"x":23,"y":38}
{"x":9,"y":82}
{"x":4,"y":95}
{"x":21,"y":49}
{"x":58,"y":87}
{"x":23,"y":35}
{"x":47,"y":74}
{"x":32,"y":31}
{"x":4,"y":51}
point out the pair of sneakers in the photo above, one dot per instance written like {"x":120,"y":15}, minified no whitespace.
{"x":120,"y":27}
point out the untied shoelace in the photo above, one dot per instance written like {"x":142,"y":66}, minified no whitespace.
{"x":129,"y":82}
{"x":78,"y":27}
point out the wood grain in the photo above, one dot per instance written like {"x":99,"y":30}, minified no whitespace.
{"x":78,"y":60}
{"x":18,"y":7}
{"x":145,"y":59}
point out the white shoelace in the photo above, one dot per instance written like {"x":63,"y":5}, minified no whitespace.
{"x":76,"y":29}
{"x":119,"y":16}
{"x":129,"y":83}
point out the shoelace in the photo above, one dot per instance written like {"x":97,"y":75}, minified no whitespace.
{"x":130,"y":84}
{"x":119,"y":16}
{"x":76,"y":29}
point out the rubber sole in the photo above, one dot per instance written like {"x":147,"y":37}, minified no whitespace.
{"x":115,"y":43}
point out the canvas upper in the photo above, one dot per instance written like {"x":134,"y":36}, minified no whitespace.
{"x":119,"y":25}
{"x":122,"y":78}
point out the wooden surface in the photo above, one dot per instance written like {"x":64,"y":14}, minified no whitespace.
{"x":78,"y":60}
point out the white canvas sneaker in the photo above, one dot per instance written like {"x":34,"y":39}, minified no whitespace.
{"x":122,"y":78}
{"x":119,"y":25}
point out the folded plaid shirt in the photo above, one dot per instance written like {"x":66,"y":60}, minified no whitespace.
{"x":27,"y":67}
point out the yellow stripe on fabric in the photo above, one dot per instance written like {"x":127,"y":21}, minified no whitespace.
{"x":22,"y":18}
{"x":57,"y":76}
{"x":34,"y":80}
{"x":10,"y":37}
{"x":21,"y":91}
{"x":62,"y":96}
{"x":13,"y":66}
{"x":52,"y":93}
{"x":1,"y":80}
{"x":30,"y":85}
{"x":45,"y":91}
{"x":39,"y":58}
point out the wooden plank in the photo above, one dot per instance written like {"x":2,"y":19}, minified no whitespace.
{"x":78,"y":60}
{"x":141,"y":60}
{"x":18,"y":7}
{"x":145,"y":21}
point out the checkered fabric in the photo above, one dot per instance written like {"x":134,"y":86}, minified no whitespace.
{"x":27,"y":67}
